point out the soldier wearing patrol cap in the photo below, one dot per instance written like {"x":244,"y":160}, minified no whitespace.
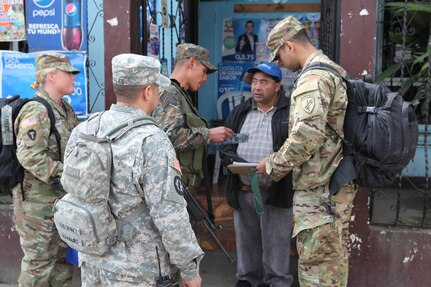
{"x":43,"y":263}
{"x":313,"y":151}
{"x":145,"y":175}
{"x":180,"y":119}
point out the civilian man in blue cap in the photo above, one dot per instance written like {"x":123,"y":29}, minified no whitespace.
{"x":262,"y":239}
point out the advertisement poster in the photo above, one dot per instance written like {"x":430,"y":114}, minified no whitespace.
{"x":12,"y":24}
{"x":230,"y":79}
{"x":241,"y":38}
{"x":56,"y":25}
{"x":17,"y":71}
{"x":244,"y":39}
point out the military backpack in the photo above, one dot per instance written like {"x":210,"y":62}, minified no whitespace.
{"x":380,"y":133}
{"x":83,"y":216}
{"x":11,"y":171}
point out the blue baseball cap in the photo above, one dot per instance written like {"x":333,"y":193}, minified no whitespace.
{"x":267,"y":68}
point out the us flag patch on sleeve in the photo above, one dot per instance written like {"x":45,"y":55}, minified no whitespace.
{"x":29,"y":122}
{"x":177,"y":166}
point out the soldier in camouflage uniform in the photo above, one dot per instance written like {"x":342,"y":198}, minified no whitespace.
{"x":43,"y":263}
{"x":313,"y":151}
{"x":180,"y":119}
{"x":146,"y":174}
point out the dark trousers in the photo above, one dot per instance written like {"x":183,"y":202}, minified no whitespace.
{"x":262,"y":242}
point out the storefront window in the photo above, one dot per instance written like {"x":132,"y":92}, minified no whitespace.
{"x":403,"y":61}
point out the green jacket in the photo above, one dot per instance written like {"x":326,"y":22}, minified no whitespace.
{"x":186,"y":129}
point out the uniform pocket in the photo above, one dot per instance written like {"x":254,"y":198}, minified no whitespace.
{"x":319,"y":244}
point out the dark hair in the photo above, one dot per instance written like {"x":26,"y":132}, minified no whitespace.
{"x":276,"y":79}
{"x":127,"y":93}
{"x":301,"y":37}
{"x":249,"y":22}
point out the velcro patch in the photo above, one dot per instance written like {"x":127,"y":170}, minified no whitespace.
{"x":32,"y":134}
{"x":179,"y":185}
{"x":307,"y":104}
{"x":177,"y":166}
{"x":29,"y":122}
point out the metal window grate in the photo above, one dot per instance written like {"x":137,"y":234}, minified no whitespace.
{"x":406,"y":202}
{"x":329,"y":36}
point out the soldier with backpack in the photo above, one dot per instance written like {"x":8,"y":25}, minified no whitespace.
{"x":143,"y":194}
{"x":39,"y":151}
{"x":313,"y":151}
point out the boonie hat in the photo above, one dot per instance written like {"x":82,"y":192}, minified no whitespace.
{"x":188,"y":50}
{"x":137,"y":70}
{"x":54,"y":61}
{"x":282,"y":32}
{"x":267,"y":68}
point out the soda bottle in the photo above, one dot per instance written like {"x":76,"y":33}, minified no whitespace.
{"x":71,"y":35}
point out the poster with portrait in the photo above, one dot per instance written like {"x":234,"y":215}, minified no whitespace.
{"x":241,"y":38}
{"x":244,"y":39}
{"x":12,"y":23}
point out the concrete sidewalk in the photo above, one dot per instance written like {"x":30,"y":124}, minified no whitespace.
{"x":216,"y":271}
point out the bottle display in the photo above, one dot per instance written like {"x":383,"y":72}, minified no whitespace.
{"x":71,"y":34}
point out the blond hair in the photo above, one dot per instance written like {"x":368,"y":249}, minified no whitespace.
{"x":41,"y":78}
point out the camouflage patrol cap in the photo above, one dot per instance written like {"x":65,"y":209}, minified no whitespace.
{"x":282,"y":32}
{"x":137,"y":70}
{"x":54,"y":61}
{"x":188,"y":50}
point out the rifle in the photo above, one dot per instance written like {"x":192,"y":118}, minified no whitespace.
{"x":199,"y":214}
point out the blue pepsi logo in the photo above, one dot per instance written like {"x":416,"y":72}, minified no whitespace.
{"x":43,"y":3}
{"x":71,"y":9}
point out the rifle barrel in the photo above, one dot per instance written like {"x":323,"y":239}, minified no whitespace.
{"x":218,"y":242}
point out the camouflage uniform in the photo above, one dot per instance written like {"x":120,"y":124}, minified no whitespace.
{"x":43,"y":263}
{"x":313,"y":151}
{"x":145,"y":173}
{"x":186,"y":128}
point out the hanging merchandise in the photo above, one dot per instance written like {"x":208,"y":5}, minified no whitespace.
{"x":153,"y":37}
{"x":164,"y":69}
{"x":163,"y":60}
{"x":154,"y":45}
{"x":158,"y":45}
{"x":165,"y":16}
{"x":12,"y":26}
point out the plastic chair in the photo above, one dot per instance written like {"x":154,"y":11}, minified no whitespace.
{"x":233,"y":99}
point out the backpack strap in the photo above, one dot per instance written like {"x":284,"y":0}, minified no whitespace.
{"x":93,"y":124}
{"x":7,"y":125}
{"x":345,"y":171}
{"x":125,"y":229}
{"x":321,"y":66}
{"x":52,"y":129}
{"x":127,"y":125}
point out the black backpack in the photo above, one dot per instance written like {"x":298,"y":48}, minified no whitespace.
{"x":11,"y":171}
{"x":380,"y":134}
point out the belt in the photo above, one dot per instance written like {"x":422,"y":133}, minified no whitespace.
{"x":247,"y":188}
